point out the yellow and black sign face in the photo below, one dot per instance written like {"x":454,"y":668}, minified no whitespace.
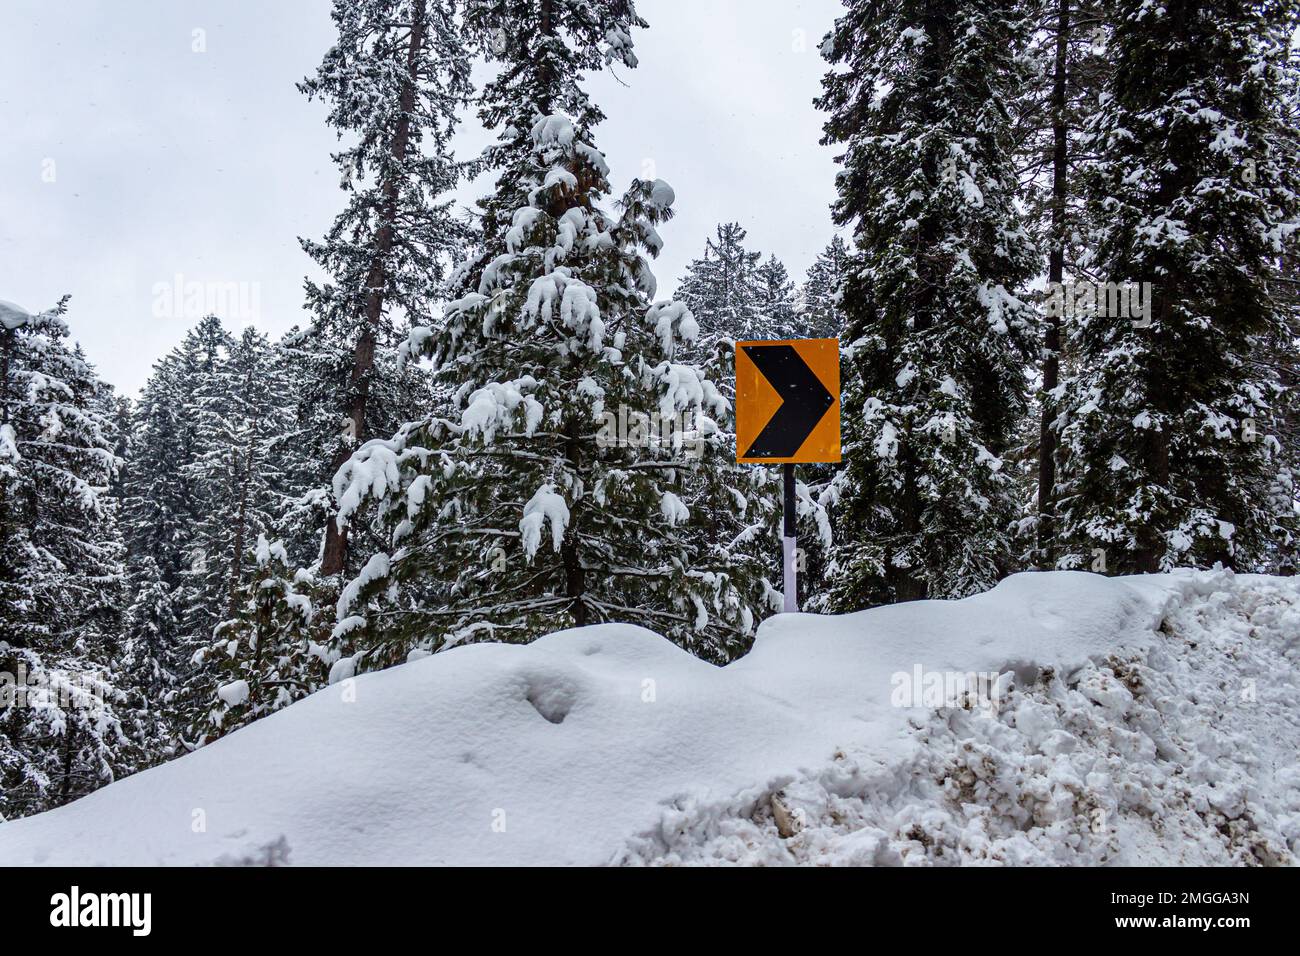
{"x":788,"y":401}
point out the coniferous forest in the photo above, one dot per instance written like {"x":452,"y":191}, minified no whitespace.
{"x":1060,"y":263}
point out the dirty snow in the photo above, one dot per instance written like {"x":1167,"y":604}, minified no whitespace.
{"x":1084,"y":720}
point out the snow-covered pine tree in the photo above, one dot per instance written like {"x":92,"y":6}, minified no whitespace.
{"x":541,"y":49}
{"x":936,"y":339}
{"x":60,"y":570}
{"x":723,"y":291}
{"x":1169,"y":456}
{"x":151,"y":629}
{"x":817,"y":307}
{"x":393,"y":82}
{"x":261,"y":657}
{"x":577,"y":477}
{"x":103,"y":602}
{"x":161,"y":507}
{"x":120,"y":411}
{"x":308,"y":364}
{"x":1068,"y":62}
{"x":237,"y":412}
{"x":776,"y":301}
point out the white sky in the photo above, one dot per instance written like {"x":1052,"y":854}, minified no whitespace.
{"x":169,"y":162}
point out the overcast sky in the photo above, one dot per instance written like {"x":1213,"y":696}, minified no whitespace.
{"x":130,"y":159}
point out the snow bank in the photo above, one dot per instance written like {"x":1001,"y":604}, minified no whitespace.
{"x":1071,"y":730}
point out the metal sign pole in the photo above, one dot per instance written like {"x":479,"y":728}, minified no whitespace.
{"x":787,"y":542}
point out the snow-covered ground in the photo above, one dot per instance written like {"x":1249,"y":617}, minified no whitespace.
{"x":1149,"y":720}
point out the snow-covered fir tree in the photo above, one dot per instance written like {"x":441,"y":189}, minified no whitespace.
{"x":103,"y":605}
{"x":151,"y":628}
{"x":776,"y":300}
{"x":1169,"y":456}
{"x":261,"y":657}
{"x":936,"y":338}
{"x":574,"y":478}
{"x":237,"y":412}
{"x":1282,"y":354}
{"x":817,"y":304}
{"x":541,"y":50}
{"x":723,"y":291}
{"x":202,"y":479}
{"x":393,"y":81}
{"x":302,"y":449}
{"x":61,"y":576}
{"x":161,"y":507}
{"x":1067,"y":58}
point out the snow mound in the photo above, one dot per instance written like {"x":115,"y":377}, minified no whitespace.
{"x":1075,"y":719}
{"x":1182,"y":752}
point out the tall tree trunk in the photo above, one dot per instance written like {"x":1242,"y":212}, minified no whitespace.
{"x":334,"y":557}
{"x":241,"y":523}
{"x":69,"y":752}
{"x":909,"y":583}
{"x":546,"y":73}
{"x":575,"y":575}
{"x":1055,"y":272}
{"x":237,"y":548}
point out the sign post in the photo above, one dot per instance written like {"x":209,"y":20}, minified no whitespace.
{"x":788,"y":411}
{"x":790,"y":587}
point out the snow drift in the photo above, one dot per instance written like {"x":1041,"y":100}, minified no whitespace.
{"x":1095,"y":720}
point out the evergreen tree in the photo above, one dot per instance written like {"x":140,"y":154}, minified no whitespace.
{"x":313,"y":372}
{"x":151,"y":629}
{"x":1282,"y":353}
{"x":935,"y":336}
{"x":722,"y":290}
{"x":60,"y":570}
{"x":105,"y":596}
{"x":237,"y":414}
{"x":162,"y":507}
{"x":262,"y":657}
{"x":1168,"y":452}
{"x":776,"y":300}
{"x":576,"y":477}
{"x":541,"y":50}
{"x":818,"y":308}
{"x":393,"y":81}
{"x":1068,"y":59}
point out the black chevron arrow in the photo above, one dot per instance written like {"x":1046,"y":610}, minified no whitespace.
{"x":804,"y":401}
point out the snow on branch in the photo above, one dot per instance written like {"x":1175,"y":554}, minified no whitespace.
{"x":372,"y":470}
{"x":544,"y":506}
